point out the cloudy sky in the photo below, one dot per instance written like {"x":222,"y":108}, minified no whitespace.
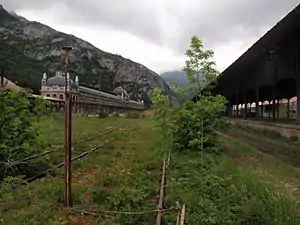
{"x":157,"y":32}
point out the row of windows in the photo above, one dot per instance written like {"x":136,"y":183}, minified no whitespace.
{"x":61,"y":96}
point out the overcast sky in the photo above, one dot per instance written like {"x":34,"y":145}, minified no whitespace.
{"x":157,"y":32}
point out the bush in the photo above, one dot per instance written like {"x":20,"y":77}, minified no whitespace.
{"x":18,"y":133}
{"x":195,"y":122}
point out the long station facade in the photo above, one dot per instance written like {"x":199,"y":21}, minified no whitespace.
{"x":86,"y":99}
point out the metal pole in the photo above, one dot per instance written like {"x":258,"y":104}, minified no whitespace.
{"x":2,"y":78}
{"x":288,"y":108}
{"x":68,"y":134}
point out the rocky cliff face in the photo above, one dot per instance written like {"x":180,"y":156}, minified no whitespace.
{"x":27,"y":49}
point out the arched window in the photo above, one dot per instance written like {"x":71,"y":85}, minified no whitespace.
{"x":54,"y":95}
{"x":48,"y":95}
{"x":74,"y":98}
{"x":61,"y":96}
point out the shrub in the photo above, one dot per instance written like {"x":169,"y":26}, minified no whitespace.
{"x":18,"y":133}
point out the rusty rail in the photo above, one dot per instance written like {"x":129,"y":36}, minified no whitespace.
{"x":169,"y":158}
{"x":35,"y":156}
{"x":40,"y":175}
{"x":97,"y":135}
{"x":103,"y":212}
{"x":161,"y":193}
{"x":74,"y":143}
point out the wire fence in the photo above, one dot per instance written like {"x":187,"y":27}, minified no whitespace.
{"x":77,"y":157}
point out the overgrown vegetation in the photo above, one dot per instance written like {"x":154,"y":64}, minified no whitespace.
{"x":266,"y":133}
{"x":215,"y":188}
{"x":191,"y":125}
{"x":124,"y":175}
{"x":268,"y":142}
{"x":221,"y":192}
{"x":18,"y":133}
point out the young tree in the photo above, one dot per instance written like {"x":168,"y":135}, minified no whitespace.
{"x":195,"y":122}
{"x":191,"y":125}
{"x":163,"y":115}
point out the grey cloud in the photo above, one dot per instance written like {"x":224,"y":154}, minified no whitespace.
{"x":233,"y":20}
{"x":168,"y":22}
{"x":131,"y":15}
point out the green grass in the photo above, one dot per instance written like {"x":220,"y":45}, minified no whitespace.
{"x":280,"y":148}
{"x":52,"y":132}
{"x":125,"y":176}
{"x":222,"y":192}
{"x":275,"y":163}
{"x":265,"y":133}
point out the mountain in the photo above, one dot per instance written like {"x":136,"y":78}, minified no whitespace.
{"x":28,"y":49}
{"x":5,"y":16}
{"x":175,"y":76}
{"x":179,"y":77}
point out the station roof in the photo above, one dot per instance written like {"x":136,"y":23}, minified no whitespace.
{"x":287,"y":26}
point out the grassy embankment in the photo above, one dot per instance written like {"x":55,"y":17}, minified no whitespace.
{"x":125,"y":176}
{"x":267,"y":153}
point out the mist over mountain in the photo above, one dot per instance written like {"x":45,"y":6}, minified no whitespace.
{"x":175,"y":76}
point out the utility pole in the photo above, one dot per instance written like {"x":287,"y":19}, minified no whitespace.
{"x":68,"y":132}
{"x":2,"y":78}
{"x":100,"y":81}
{"x":99,"y":103}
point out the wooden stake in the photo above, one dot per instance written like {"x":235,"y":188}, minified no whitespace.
{"x":178,"y":217}
{"x":182,"y":215}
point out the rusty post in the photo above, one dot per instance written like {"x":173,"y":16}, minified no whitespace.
{"x":2,"y":78}
{"x":68,"y":135}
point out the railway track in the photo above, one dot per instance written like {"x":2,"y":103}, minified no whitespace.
{"x":77,"y":157}
{"x":176,"y":208}
{"x":42,"y":174}
{"x":73,"y":143}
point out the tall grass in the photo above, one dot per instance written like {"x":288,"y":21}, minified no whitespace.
{"x":222,"y":192}
{"x":264,"y":132}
